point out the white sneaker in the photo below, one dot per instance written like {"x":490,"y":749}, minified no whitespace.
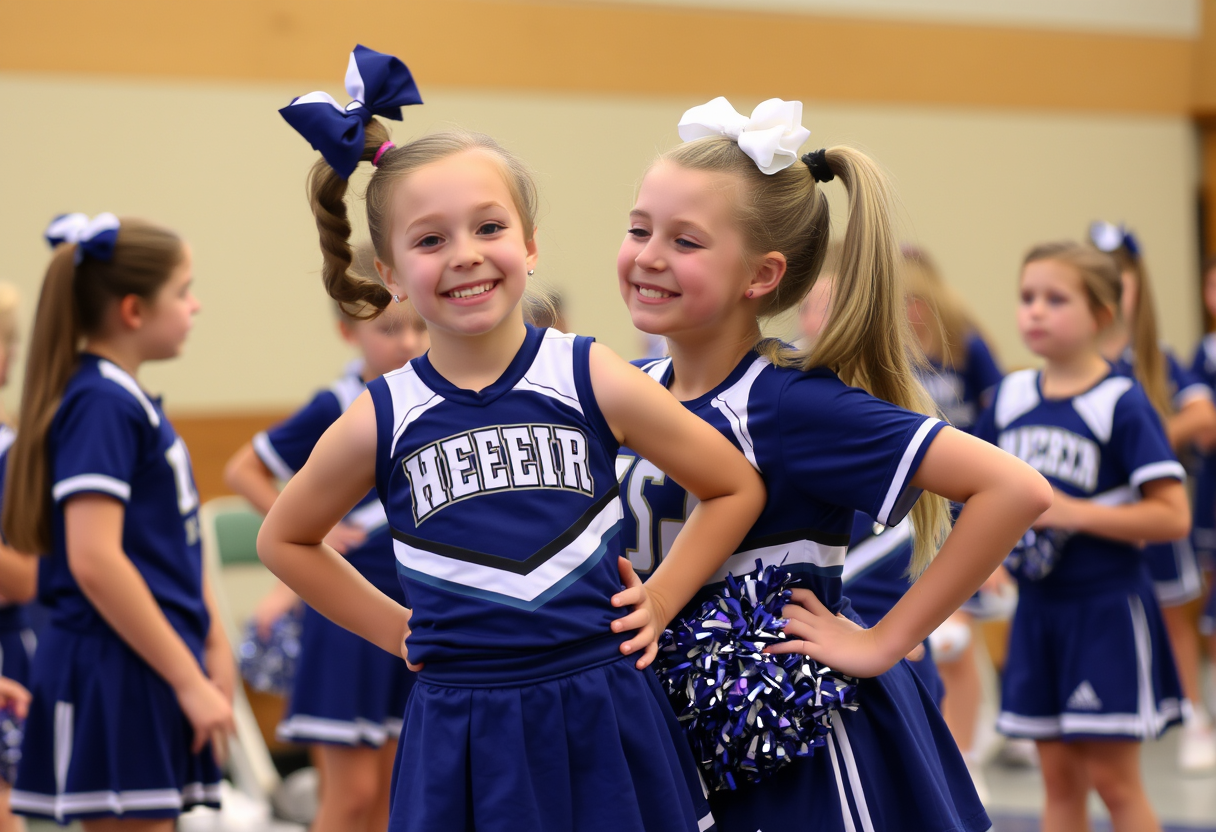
{"x":1197,"y":749}
{"x":1018,"y":752}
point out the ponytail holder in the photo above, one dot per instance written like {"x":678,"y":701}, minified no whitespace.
{"x":380,"y":86}
{"x":94,"y":237}
{"x":1108,"y":237}
{"x":817,"y":162}
{"x":384,"y":148}
{"x":771,"y":137}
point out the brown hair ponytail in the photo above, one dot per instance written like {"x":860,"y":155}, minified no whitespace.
{"x":72,"y":305}
{"x":866,"y":340}
{"x":1149,"y":364}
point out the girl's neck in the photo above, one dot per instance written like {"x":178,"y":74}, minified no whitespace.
{"x":1070,"y":376}
{"x":116,"y":352}
{"x":1114,"y":341}
{"x":474,"y":362}
{"x":702,"y":361}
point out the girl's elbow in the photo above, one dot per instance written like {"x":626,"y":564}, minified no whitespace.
{"x":1038,"y":492}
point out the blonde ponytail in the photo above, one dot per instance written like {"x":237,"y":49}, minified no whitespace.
{"x":867,"y":339}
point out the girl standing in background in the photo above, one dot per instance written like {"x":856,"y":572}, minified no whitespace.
{"x":133,"y":684}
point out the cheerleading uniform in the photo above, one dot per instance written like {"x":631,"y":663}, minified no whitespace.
{"x":824,"y":450}
{"x":1203,"y":532}
{"x":876,"y":576}
{"x":1088,"y":654}
{"x":346,"y":690}
{"x":1173,"y":565}
{"x":16,"y":637}
{"x":961,"y":394}
{"x":106,"y":736}
{"x":505,"y":517}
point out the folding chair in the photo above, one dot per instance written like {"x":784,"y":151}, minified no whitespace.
{"x":229,"y":530}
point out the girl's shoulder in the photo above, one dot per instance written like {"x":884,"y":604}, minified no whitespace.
{"x":104,"y":390}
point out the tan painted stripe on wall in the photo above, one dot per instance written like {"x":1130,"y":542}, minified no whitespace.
{"x":607,"y":49}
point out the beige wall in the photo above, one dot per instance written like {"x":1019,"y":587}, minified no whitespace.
{"x":215,"y":161}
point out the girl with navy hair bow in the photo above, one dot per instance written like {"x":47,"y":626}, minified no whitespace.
{"x":727,"y":228}
{"x":494,"y":455}
{"x":133,"y":682}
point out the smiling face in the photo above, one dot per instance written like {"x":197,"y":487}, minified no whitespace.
{"x":683,"y":265}
{"x":170,"y":315}
{"x":1055,"y":317}
{"x":457,"y":245}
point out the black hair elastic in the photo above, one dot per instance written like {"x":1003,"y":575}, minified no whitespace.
{"x":817,"y":161}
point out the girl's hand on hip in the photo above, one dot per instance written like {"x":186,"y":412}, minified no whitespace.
{"x":644,"y":618}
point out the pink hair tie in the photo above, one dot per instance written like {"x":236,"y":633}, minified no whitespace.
{"x":383,"y":148}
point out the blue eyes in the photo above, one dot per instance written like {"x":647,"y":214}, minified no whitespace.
{"x":642,"y":234}
{"x":486,"y":229}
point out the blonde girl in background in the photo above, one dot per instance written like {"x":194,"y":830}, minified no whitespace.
{"x":728,"y":228}
{"x":1089,"y":674}
{"x":348,"y":695}
{"x":133,"y":682}
{"x":1184,"y":403}
{"x":18,"y":581}
{"x":494,"y":456}
{"x":960,"y":375}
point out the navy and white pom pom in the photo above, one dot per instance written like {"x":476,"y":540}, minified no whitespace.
{"x":747,"y":713}
{"x":269,"y":665}
{"x":11,"y":731}
{"x":1037,"y":553}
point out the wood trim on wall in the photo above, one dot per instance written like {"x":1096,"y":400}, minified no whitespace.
{"x":212,"y":438}
{"x":610,"y":49}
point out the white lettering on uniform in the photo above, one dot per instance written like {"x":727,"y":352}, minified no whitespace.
{"x":490,"y":460}
{"x":1055,"y":452}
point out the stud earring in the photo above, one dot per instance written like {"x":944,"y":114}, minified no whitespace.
{"x":396,"y":299}
{"x":531,"y":272}
{"x":749,"y":293}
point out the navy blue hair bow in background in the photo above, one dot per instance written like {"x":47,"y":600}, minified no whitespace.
{"x":380,"y":86}
{"x":93,"y":237}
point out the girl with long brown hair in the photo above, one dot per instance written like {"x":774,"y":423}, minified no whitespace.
{"x":133,"y":680}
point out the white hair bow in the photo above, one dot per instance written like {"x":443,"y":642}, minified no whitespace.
{"x":771,"y":137}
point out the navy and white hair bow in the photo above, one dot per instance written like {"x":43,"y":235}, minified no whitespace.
{"x":95,"y":237}
{"x":1108,"y":237}
{"x":380,"y":86}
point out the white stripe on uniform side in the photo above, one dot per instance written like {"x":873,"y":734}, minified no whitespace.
{"x":899,"y":483}
{"x":732,"y":403}
{"x":850,"y":767}
{"x":64,"y":731}
{"x":521,"y":587}
{"x":871,"y":551}
{"x":705,"y":822}
{"x":270,"y":457}
{"x":91,"y":482}
{"x":846,"y":814}
{"x":1151,"y":722}
{"x":786,"y":554}
{"x":7,"y":437}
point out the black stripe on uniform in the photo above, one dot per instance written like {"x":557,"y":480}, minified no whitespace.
{"x":518,"y":567}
